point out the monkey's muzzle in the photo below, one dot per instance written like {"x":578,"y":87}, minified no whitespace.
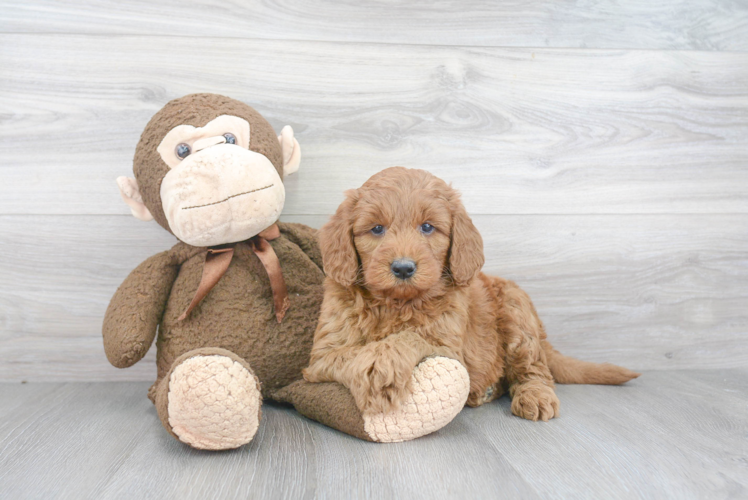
{"x":222,"y":194}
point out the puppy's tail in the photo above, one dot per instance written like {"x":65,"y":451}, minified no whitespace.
{"x":566,"y":370}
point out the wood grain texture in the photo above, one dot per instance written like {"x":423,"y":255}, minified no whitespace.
{"x":529,"y":131}
{"x":667,"y":435}
{"x":676,"y":434}
{"x":643,"y":291}
{"x":668,"y":24}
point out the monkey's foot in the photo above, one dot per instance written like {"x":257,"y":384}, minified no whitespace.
{"x":213,"y":403}
{"x":440,"y":389}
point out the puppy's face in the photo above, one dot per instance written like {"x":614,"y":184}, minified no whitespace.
{"x":403,"y":234}
{"x":402,"y":238}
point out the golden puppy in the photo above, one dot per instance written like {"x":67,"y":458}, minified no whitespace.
{"x":403,"y":263}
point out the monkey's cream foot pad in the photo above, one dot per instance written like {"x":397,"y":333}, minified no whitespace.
{"x":214,"y":403}
{"x":440,"y":389}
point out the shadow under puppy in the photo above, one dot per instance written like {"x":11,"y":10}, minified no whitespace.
{"x":403,"y":261}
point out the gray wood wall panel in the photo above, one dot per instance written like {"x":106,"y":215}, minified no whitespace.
{"x":641,"y":24}
{"x":644,"y":291}
{"x":609,"y":181}
{"x":521,"y":130}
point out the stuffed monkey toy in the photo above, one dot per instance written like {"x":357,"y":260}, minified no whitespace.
{"x":236,"y":301}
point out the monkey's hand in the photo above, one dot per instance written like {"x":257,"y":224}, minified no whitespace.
{"x":136,"y":309}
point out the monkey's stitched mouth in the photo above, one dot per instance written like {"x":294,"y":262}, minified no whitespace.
{"x":232,"y":196}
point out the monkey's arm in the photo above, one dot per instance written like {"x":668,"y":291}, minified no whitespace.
{"x":305,"y":237}
{"x":136,"y":309}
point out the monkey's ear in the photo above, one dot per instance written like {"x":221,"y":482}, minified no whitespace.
{"x":291,"y":151}
{"x":128,"y":188}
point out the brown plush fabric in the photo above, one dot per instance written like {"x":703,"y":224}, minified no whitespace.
{"x":138,"y":304}
{"x":306,"y":238}
{"x":195,"y":110}
{"x":237,"y":316}
{"x":327,"y":403}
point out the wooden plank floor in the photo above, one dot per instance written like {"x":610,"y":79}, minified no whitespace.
{"x":669,"y":434}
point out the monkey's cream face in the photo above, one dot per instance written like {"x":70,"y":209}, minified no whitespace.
{"x":218,"y":191}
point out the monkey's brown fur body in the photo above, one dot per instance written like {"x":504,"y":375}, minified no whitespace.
{"x":237,"y":315}
{"x":236,"y":319}
{"x":374,"y":327}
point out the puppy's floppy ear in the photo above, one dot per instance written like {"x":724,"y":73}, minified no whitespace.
{"x":339,"y":257}
{"x":466,"y":248}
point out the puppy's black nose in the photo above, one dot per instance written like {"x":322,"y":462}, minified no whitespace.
{"x":403,"y":268}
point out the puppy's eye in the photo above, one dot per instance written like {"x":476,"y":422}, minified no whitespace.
{"x":230,"y":138}
{"x":377,"y":230}
{"x":182,"y":151}
{"x":427,"y":228}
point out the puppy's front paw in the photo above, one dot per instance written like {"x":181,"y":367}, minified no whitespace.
{"x":535,"y":401}
{"x":382,"y":383}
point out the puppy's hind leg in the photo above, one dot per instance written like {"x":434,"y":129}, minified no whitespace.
{"x":530,"y":380}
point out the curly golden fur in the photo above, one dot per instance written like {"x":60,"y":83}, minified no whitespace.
{"x":375,"y":327}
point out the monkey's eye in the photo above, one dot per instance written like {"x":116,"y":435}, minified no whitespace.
{"x":230,"y":138}
{"x":427,"y":228}
{"x":377,"y":230}
{"x":182,"y":151}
